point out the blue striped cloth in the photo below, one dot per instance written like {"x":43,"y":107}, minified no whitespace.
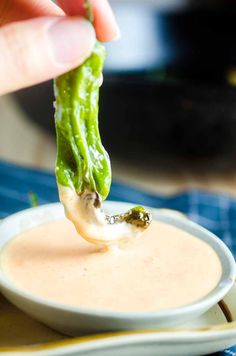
{"x":215,"y":212}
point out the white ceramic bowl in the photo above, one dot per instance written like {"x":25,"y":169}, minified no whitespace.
{"x":76,"y":320}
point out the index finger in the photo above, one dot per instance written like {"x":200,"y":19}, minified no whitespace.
{"x":18,"y":10}
{"x":104,"y":19}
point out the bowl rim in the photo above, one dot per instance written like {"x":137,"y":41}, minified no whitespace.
{"x":204,"y":303}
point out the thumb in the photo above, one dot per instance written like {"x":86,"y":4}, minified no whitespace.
{"x":36,"y":50}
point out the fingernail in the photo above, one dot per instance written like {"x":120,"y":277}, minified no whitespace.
{"x":117,"y":33}
{"x":71,"y":39}
{"x":114,"y":26}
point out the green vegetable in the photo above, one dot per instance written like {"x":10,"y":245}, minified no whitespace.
{"x":34,"y":202}
{"x":82,"y":162}
{"x":137,"y":216}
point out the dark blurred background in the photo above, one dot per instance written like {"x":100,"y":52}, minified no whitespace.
{"x":169,"y":95}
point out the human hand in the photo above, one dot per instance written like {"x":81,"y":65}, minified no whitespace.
{"x":39,"y":40}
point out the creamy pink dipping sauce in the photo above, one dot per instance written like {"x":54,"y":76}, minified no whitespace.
{"x":165,"y":268}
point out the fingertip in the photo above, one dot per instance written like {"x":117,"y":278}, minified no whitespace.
{"x":105,"y":23}
{"x":107,"y":31}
